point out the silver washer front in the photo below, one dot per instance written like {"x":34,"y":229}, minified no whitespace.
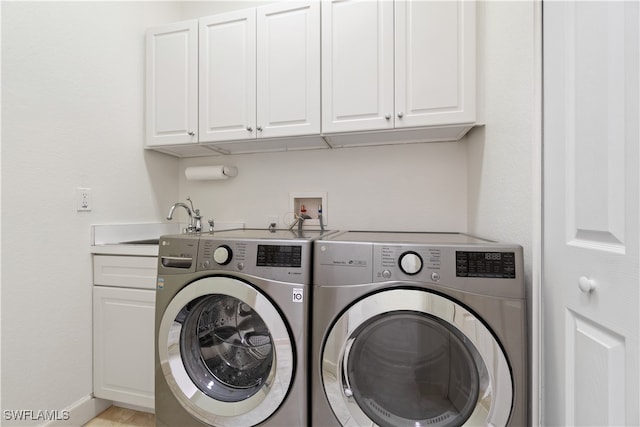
{"x":261,"y":404}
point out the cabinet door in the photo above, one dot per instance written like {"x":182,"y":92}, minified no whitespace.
{"x":435,"y":62}
{"x":288,"y":69}
{"x":172,"y":84}
{"x":357,"y":65}
{"x":228,"y":76}
{"x":123,"y":347}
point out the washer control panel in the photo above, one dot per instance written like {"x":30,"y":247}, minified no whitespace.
{"x":286,"y":261}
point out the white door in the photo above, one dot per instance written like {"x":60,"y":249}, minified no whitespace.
{"x":172,"y":84}
{"x":228,"y":76}
{"x":435,"y":62}
{"x":357,"y":65}
{"x":288,"y":69}
{"x":591,"y":158}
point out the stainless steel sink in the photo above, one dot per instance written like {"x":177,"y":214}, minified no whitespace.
{"x":141,"y":242}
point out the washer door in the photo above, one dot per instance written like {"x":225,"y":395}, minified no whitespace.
{"x":413,"y":358}
{"x":225,"y":352}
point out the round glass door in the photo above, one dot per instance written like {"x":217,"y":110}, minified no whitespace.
{"x":225,"y":352}
{"x":226,"y":347}
{"x":412,"y":358}
{"x":417,"y":358}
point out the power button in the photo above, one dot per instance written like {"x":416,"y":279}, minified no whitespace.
{"x":435,"y":276}
{"x":386,"y":274}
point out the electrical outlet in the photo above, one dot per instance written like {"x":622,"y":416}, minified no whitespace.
{"x":83,"y":199}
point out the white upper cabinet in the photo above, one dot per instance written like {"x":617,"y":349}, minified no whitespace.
{"x":228,"y":76}
{"x":172,"y":84}
{"x":413,"y":71}
{"x":357,"y":65}
{"x":288,"y":63}
{"x":260,"y":73}
{"x":435,"y":70}
{"x":310,"y":74}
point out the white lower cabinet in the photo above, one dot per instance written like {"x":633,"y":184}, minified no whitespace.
{"x":123,"y":330}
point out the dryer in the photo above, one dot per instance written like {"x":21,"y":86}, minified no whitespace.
{"x":418,"y":329}
{"x":232,"y":327}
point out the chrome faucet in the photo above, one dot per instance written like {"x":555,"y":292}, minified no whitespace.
{"x":195,"y":220}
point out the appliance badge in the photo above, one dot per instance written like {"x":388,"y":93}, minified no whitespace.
{"x":298,"y":295}
{"x":160,"y":283}
{"x":351,"y":262}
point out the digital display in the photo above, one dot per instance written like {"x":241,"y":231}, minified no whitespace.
{"x":495,"y":265}
{"x":279,"y":256}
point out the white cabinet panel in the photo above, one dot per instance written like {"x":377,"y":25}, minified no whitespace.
{"x":172,"y":84}
{"x":260,"y":75}
{"x":123,"y":328}
{"x":228,"y":76}
{"x":357,"y":65}
{"x":435,"y":62}
{"x":288,"y":69}
{"x":129,"y":271}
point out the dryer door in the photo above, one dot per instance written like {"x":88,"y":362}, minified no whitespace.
{"x":406,"y":357}
{"x":225,"y":352}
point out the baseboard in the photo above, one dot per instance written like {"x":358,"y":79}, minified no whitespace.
{"x":80,"y":412}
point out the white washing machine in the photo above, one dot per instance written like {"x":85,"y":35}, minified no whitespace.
{"x":232,"y":326}
{"x":418,"y":329}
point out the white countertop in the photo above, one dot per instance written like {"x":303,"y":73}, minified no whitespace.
{"x":111,"y":239}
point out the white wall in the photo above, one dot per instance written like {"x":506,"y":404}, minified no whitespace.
{"x":72,"y":115}
{"x":409,"y":187}
{"x":501,"y":154}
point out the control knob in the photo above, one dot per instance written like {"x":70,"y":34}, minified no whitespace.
{"x":410,"y":263}
{"x":222,"y":255}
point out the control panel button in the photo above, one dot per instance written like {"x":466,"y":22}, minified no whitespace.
{"x":410,"y":263}
{"x":435,"y":276}
{"x":222,"y":255}
{"x":386,"y":274}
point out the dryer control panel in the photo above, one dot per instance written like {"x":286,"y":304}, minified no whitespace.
{"x":497,"y":265}
{"x":487,"y":270}
{"x":407,"y":261}
{"x":438,"y":260}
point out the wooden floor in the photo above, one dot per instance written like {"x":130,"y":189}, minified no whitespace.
{"x":121,"y":417}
